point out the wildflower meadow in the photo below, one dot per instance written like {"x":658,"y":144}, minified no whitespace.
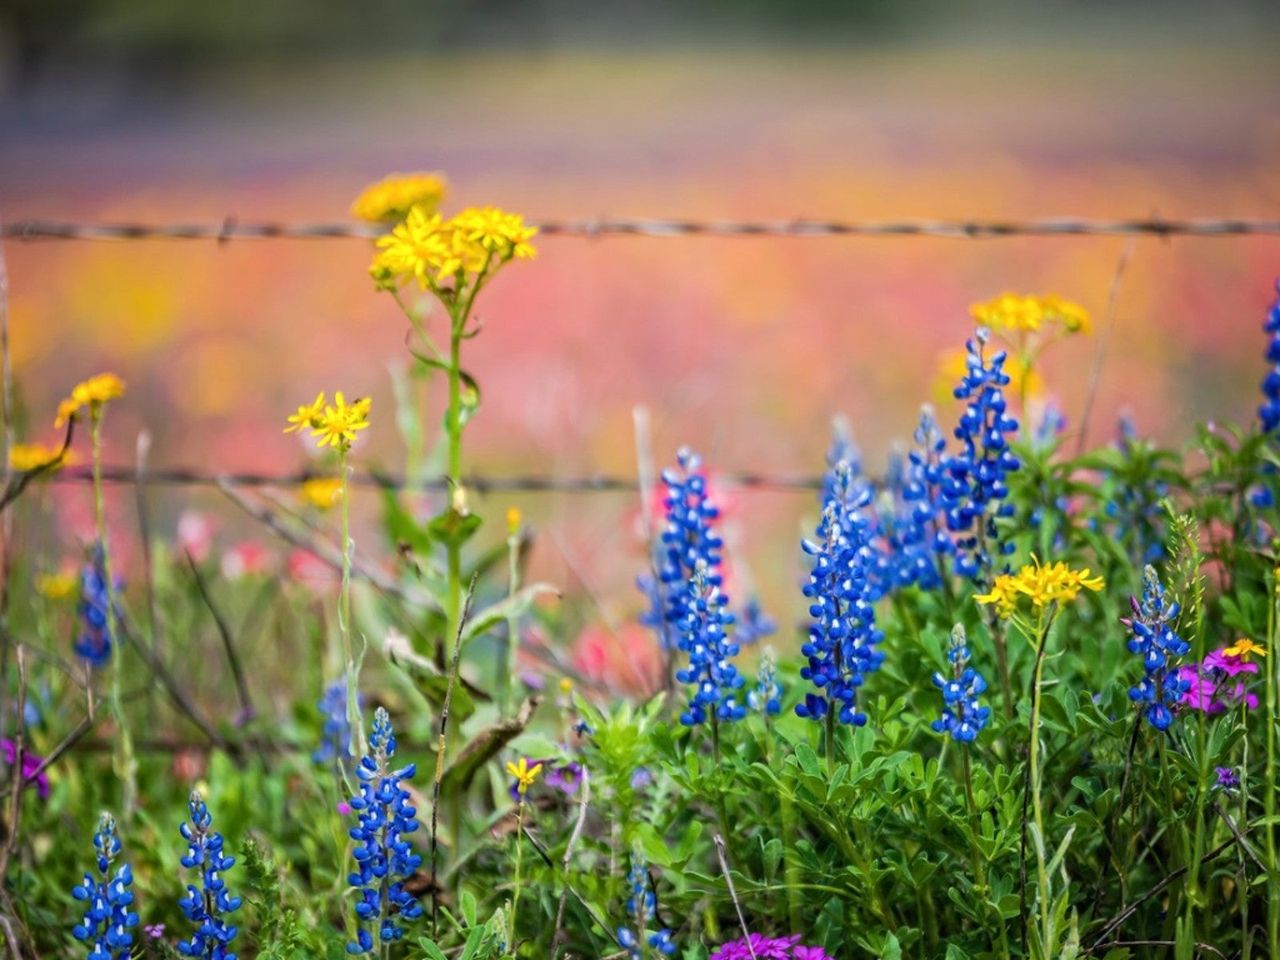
{"x":1029,"y":708}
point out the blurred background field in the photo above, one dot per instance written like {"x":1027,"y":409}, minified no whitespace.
{"x":741,"y":347}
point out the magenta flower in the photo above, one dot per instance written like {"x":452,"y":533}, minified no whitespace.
{"x":768,"y":948}
{"x":31,"y":764}
{"x":1200,"y":693}
{"x":1223,"y":662}
{"x":809,"y":953}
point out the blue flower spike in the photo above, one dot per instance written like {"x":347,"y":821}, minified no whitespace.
{"x":963,"y":715}
{"x":108,"y":916}
{"x":1152,"y":637}
{"x":384,"y":856}
{"x":207,"y":905}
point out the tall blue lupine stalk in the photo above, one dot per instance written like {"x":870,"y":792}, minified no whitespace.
{"x":1153,"y":638}
{"x":335,"y":735}
{"x":1269,"y":412}
{"x":641,"y":907}
{"x":384,"y":857}
{"x":94,"y":641}
{"x":984,"y":462}
{"x":931,"y":491}
{"x":963,"y":715}
{"x":703,"y":637}
{"x":766,"y":696}
{"x":207,"y":906}
{"x":108,"y":917}
{"x":842,"y":637}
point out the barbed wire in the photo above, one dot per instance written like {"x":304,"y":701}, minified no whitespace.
{"x":513,"y":483}
{"x":232,"y":228}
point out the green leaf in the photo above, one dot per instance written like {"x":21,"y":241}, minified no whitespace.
{"x":483,"y":747}
{"x":516,"y":605}
{"x":453,"y":528}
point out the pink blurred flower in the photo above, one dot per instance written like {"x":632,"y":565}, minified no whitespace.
{"x":626,"y":661}
{"x":195,"y":534}
{"x":244,"y":558}
{"x":306,"y":568}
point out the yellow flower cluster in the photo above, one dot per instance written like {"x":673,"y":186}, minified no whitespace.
{"x":56,"y":586}
{"x":332,"y":425}
{"x":1030,"y":314}
{"x":90,"y":394}
{"x":321,"y":492}
{"x":525,"y":775}
{"x":393,"y":197}
{"x":33,"y":456}
{"x":430,"y":250}
{"x":1044,"y":585}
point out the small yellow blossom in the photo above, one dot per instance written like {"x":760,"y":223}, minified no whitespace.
{"x":391,"y":198}
{"x":332,"y":425}
{"x":1244,"y":648}
{"x":92,"y":394}
{"x":566,"y":685}
{"x":514,"y":519}
{"x":322,"y":492}
{"x":56,"y":586}
{"x":432,"y":251}
{"x":1044,"y":585}
{"x":32,"y":456}
{"x":524,"y":774}
{"x":1029,"y":314}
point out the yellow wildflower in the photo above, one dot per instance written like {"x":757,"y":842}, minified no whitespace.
{"x":1028,"y":314}
{"x":514,"y":518}
{"x":322,"y":492}
{"x":1044,"y":585}
{"x":1244,"y":647}
{"x":432,"y":251}
{"x":332,"y":425}
{"x":92,"y":394}
{"x":566,"y":685}
{"x":496,"y":231}
{"x":32,"y":456}
{"x":525,"y":775}
{"x":56,"y":586}
{"x":391,"y":198}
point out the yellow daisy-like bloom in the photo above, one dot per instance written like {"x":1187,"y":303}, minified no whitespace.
{"x":56,"y":586}
{"x":524,"y":775}
{"x":1043,"y":585}
{"x":1028,"y":314}
{"x":33,"y":456}
{"x":1244,"y":648}
{"x":497,"y":231}
{"x":332,"y":425}
{"x":321,"y":492}
{"x":92,"y":394}
{"x":391,"y":198}
{"x":432,"y":251}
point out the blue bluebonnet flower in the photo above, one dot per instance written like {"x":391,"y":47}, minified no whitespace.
{"x":335,"y":736}
{"x":843,"y":455}
{"x":932,"y":492}
{"x":985,"y":461}
{"x":641,"y":908}
{"x":751,"y":624}
{"x":963,"y":716}
{"x":687,"y":538}
{"x":766,"y":696}
{"x":703,"y":637}
{"x":1136,"y":504}
{"x":94,"y":641}
{"x":1152,"y":637}
{"x":384,"y":857}
{"x":1269,"y":412}
{"x":843,"y":635}
{"x":1053,"y":422}
{"x":108,"y":917}
{"x":208,"y":905}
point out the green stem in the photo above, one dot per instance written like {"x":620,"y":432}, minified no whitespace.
{"x":354,"y":721}
{"x":1269,"y":794}
{"x":457,"y":496}
{"x":515,"y":883}
{"x":507,"y":683}
{"x":125,"y":762}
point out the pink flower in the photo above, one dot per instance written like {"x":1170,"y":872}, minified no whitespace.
{"x":809,"y":953}
{"x":1222,"y":661}
{"x":244,"y":558}
{"x":195,"y":535}
{"x":764,"y":948}
{"x":30,"y":764}
{"x":1199,"y":695}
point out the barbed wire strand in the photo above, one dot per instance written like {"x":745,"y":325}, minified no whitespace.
{"x":513,"y":483}
{"x":232,"y":228}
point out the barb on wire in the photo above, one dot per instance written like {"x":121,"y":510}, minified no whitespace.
{"x":513,"y":483}
{"x":966,"y":229}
